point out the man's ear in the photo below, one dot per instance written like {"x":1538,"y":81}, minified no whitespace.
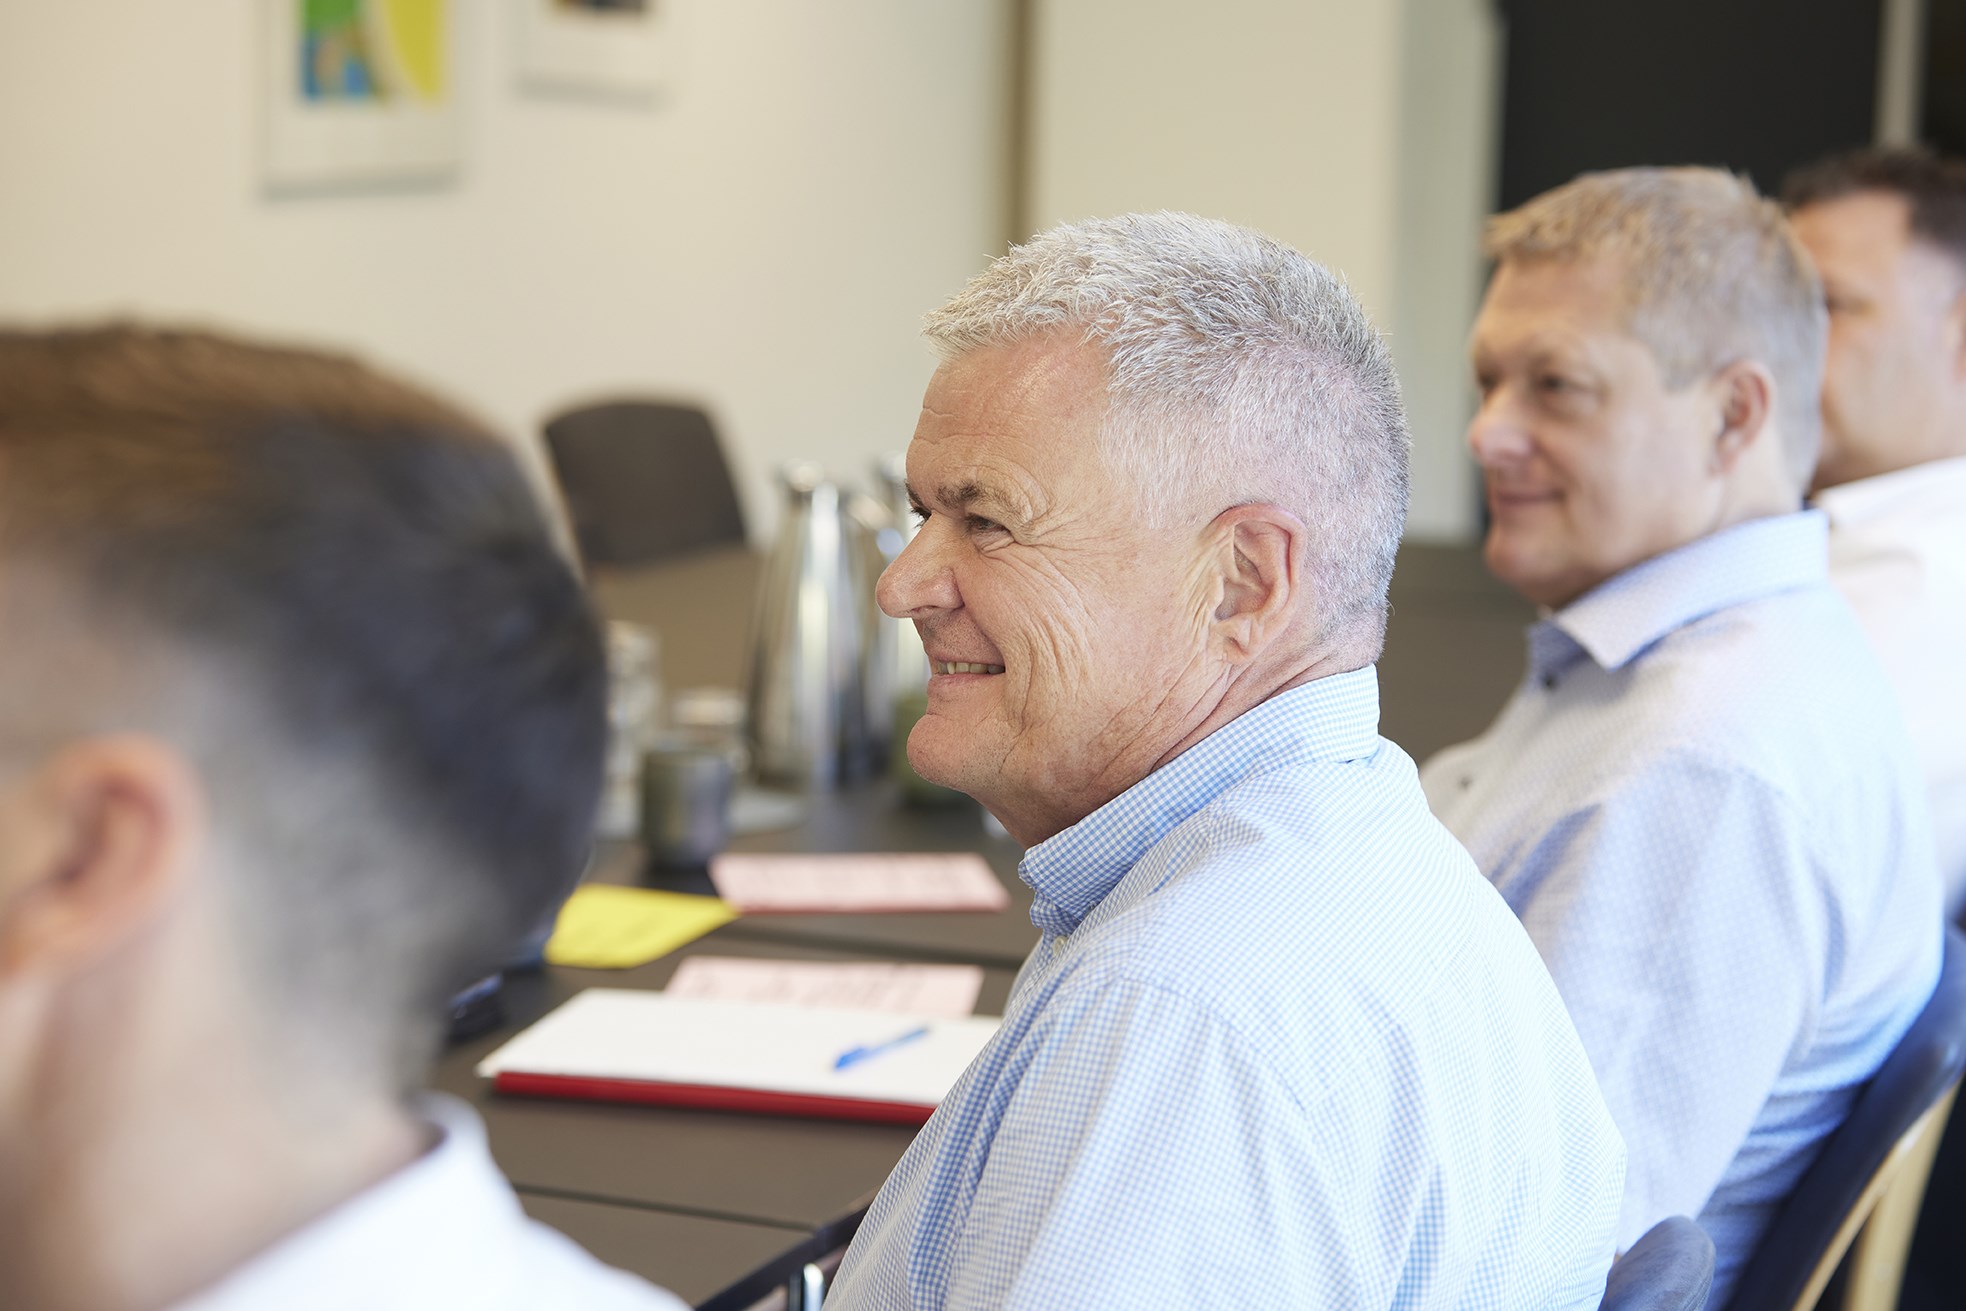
{"x":1257,"y":556}
{"x":1745,"y":392}
{"x":103,"y":836}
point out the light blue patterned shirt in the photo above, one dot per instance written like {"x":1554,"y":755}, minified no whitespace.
{"x":1279,"y":1045}
{"x":1703,"y":804}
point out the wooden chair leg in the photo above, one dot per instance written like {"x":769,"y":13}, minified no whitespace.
{"x":1876,"y":1264}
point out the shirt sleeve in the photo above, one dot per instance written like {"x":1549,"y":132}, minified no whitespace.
{"x":1685,"y":923}
{"x":1146,"y":1157}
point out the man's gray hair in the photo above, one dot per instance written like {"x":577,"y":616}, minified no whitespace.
{"x":1711,"y":274}
{"x":1238,"y":372}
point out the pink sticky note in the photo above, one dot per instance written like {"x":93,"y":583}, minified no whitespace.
{"x":859,"y":884}
{"x":946,"y":990}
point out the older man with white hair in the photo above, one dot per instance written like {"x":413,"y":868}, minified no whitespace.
{"x":1279,"y":1043}
{"x":1702,"y":800}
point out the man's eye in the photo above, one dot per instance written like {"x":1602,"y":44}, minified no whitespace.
{"x":978,"y":524}
{"x":920,"y":514}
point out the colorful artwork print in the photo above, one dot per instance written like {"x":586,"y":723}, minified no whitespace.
{"x":358,"y":93}
{"x":372,"y":50}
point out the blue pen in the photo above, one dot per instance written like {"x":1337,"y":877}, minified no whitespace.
{"x":854,"y":1055}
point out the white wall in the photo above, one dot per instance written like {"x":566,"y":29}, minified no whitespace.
{"x":765,"y":240}
{"x":1360,"y":131}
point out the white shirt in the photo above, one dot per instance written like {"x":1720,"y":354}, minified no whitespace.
{"x":1897,"y":552}
{"x":1280,"y":1045}
{"x":1704,"y":807}
{"x":445,"y":1231}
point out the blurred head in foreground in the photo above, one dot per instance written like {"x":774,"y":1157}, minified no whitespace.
{"x":1648,"y":355}
{"x":1887,"y":231}
{"x":1162,"y":477}
{"x":301,"y":724}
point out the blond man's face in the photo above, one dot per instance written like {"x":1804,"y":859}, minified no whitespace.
{"x":1590,"y":462}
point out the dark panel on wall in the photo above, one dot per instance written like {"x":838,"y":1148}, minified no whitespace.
{"x":1943,"y":124}
{"x":1759,"y":86}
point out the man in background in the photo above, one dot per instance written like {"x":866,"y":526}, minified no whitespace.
{"x":1887,"y":232}
{"x":301,"y":723}
{"x":1701,"y":801}
{"x":1279,"y":1044}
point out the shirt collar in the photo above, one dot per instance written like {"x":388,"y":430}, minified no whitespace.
{"x":449,"y":1211}
{"x":1865,"y":500}
{"x":1330,"y":719}
{"x":1627,"y":613}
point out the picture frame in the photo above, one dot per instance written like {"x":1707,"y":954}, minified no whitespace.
{"x":609,"y":49}
{"x":359,"y":93}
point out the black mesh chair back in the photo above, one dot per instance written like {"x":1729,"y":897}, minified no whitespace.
{"x":1871,"y":1174}
{"x":643,"y":481}
{"x":1669,"y":1269}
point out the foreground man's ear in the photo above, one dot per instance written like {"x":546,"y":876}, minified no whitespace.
{"x":102,"y":836}
{"x":1258,"y":553}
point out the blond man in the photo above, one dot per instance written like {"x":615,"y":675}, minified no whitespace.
{"x":1701,"y":801}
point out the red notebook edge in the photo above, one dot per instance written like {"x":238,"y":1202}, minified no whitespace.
{"x":750,"y":1101}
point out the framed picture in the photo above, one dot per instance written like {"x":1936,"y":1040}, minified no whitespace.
{"x":359,"y":93}
{"x":607,"y":48}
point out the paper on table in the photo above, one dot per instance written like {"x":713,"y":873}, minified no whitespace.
{"x":625,"y":1044}
{"x":948,"y":990}
{"x":857,"y":884}
{"x":607,"y":927}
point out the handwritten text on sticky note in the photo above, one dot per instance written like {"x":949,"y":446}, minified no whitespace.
{"x":946,"y":990}
{"x":857,"y":884}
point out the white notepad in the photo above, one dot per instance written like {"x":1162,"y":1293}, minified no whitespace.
{"x":616,"y":1044}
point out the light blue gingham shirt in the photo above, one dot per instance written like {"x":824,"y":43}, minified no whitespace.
{"x":1279,"y":1045}
{"x":1703,"y":804}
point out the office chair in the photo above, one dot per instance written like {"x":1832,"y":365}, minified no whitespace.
{"x":1862,"y":1194}
{"x":643,"y":481}
{"x":1669,"y":1269}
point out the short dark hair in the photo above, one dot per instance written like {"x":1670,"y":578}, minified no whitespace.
{"x":1933,"y":187}
{"x":420,"y":683}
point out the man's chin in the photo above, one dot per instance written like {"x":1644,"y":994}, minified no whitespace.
{"x":1522,"y":569}
{"x":935,"y":758}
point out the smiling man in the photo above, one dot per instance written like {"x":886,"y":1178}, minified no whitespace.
{"x":1887,"y":232}
{"x":1279,"y":1043}
{"x":1701,"y":801}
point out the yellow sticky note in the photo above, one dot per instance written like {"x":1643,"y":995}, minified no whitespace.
{"x":607,"y":927}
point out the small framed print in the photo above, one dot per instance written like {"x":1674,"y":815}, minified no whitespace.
{"x":359,"y":93}
{"x":605,"y":48}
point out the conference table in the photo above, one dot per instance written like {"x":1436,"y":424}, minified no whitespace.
{"x":724,"y":1208}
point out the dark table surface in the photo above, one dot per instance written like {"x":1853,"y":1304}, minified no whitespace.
{"x":697,"y":1200}
{"x":872,"y":817}
{"x":693,"y":1256}
{"x":768,"y":1169}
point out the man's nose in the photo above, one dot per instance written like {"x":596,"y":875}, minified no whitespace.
{"x":918,"y":581}
{"x":1497,"y":434}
